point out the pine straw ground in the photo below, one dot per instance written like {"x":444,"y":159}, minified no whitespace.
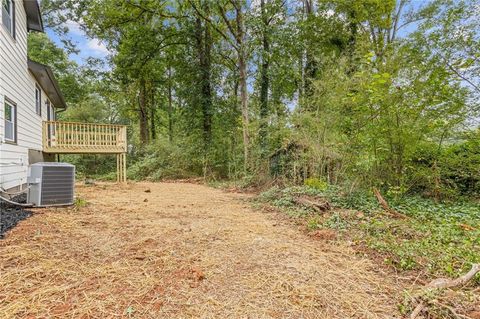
{"x":181,"y":251}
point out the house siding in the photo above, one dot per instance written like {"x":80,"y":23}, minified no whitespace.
{"x":18,"y":85}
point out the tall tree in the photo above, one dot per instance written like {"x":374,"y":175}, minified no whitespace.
{"x":204,"y":48}
{"x":311,"y":65}
{"x":264,"y":77}
{"x":232,"y":14}
{"x":343,"y":84}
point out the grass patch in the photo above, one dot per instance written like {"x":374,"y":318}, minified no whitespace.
{"x":80,"y":202}
{"x":443,"y":239}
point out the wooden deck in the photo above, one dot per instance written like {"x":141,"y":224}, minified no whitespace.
{"x":83,"y":138}
{"x":87,"y":138}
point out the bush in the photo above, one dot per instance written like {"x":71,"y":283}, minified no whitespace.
{"x":316,"y":183}
{"x":159,"y":161}
{"x":446,"y":173}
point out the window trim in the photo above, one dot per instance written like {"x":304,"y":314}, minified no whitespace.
{"x":38,"y":103}
{"x":51,"y":116}
{"x":11,"y":30}
{"x":14,"y":112}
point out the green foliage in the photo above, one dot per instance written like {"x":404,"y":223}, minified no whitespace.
{"x":441,"y":238}
{"x":130,"y":311}
{"x":336,"y":91}
{"x":80,"y":202}
{"x":161,"y":161}
{"x":441,"y":244}
{"x":316,"y":183}
{"x":313,"y":224}
{"x":335,"y":221}
{"x":449,"y":172}
{"x":43,"y":50}
{"x":91,"y":165}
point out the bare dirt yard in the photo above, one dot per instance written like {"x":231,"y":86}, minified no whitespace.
{"x":178,"y":250}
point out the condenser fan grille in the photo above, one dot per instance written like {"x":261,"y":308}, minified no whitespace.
{"x":51,"y":184}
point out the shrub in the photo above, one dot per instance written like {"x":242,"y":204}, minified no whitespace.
{"x":162,"y":160}
{"x":316,"y":183}
{"x":446,"y":173}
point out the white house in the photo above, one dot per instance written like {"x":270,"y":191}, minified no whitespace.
{"x":29,"y":94}
{"x":29,"y":100}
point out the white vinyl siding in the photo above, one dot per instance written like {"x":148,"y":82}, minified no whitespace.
{"x":18,"y":85}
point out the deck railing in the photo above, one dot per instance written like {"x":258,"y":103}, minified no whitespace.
{"x":76,"y":137}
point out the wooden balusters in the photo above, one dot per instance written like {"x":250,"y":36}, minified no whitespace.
{"x":72,"y":137}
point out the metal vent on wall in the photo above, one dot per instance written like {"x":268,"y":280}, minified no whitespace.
{"x":51,"y":184}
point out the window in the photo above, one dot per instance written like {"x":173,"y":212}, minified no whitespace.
{"x":50,"y":117}
{"x":8,"y":16}
{"x":52,"y":112}
{"x":10,"y":122}
{"x":38,"y":100}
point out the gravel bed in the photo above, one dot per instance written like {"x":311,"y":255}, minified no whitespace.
{"x":11,"y":215}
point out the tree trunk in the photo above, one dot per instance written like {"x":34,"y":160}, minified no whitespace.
{"x":264,"y":82}
{"x":143,"y":113}
{"x":311,"y":66}
{"x":352,"y":42}
{"x":206,"y":83}
{"x":204,"y":48}
{"x":170,"y":106}
{"x":236,"y":85}
{"x":242,"y":67}
{"x":153,"y":129}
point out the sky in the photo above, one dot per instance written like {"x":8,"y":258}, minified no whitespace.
{"x":87,"y":47}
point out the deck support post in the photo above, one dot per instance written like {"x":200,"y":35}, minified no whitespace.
{"x":121,"y":168}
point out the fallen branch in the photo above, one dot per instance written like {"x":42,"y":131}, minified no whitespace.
{"x":316,"y":206}
{"x":443,"y":283}
{"x":385,"y":205}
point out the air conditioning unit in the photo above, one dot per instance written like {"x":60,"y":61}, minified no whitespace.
{"x":51,"y":184}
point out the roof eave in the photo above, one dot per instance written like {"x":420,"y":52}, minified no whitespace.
{"x":45,"y":78}
{"x":34,"y":16}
